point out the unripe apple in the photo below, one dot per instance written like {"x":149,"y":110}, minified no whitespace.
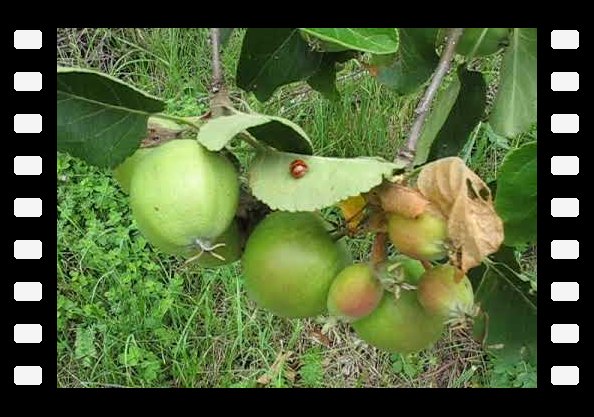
{"x":123,"y":172}
{"x":399,"y":325}
{"x":420,"y":238}
{"x":183,"y":196}
{"x":410,"y":270}
{"x":289,"y":263}
{"x":440,"y":294}
{"x":354,"y":293}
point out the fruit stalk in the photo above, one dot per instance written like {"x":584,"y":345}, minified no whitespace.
{"x":378,"y":252}
{"x":407,"y":154}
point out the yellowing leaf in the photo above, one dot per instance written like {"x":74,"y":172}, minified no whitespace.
{"x":353,"y":211}
{"x":474,"y":228}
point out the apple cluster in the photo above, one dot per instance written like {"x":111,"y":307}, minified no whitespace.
{"x":184,"y":199}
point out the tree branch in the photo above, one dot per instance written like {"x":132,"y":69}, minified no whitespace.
{"x":219,"y":102}
{"x":407,"y":154}
{"x":217,"y":71}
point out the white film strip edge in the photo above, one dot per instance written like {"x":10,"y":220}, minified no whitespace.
{"x":27,"y":207}
{"x":565,"y":207}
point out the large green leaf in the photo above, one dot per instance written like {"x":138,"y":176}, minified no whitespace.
{"x":515,"y":200}
{"x":441,"y":108}
{"x":327,"y":181}
{"x":277,"y":132}
{"x":466,"y":112}
{"x":510,"y":306}
{"x":514,"y":110}
{"x":225,"y":35}
{"x":324,"y":79}
{"x":414,"y":63}
{"x":101,"y":119}
{"x":374,"y":40}
{"x":482,"y":41}
{"x":271,"y":58}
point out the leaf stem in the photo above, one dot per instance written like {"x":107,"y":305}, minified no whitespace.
{"x":252,"y":141}
{"x":177,"y":119}
{"x":406,"y":155}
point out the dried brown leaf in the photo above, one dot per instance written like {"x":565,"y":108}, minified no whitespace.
{"x":475,"y":231}
{"x":290,"y":374}
{"x":321,"y":338}
{"x":264,"y":379}
{"x":397,"y":198}
{"x":275,"y":369}
{"x":474,"y":228}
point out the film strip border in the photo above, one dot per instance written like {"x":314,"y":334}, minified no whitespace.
{"x":564,"y":151}
{"x":32,"y":229}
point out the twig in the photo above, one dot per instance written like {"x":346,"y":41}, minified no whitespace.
{"x":217,"y":72}
{"x":407,"y":154}
{"x":219,"y":102}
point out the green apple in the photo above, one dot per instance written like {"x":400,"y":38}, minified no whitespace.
{"x":183,"y":196}
{"x":289,"y":263}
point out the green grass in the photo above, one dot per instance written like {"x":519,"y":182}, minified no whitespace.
{"x":130,"y":316}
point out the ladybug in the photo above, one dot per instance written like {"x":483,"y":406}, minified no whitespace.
{"x":298,"y":168}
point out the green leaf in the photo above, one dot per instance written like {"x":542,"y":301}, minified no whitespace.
{"x":510,"y":307}
{"x":515,"y":200}
{"x":101,"y":119}
{"x":225,"y":35}
{"x":514,"y":109}
{"x":415,"y":62}
{"x":374,"y":40}
{"x":277,"y":132}
{"x":465,"y":114}
{"x":327,"y":181}
{"x":442,"y":106}
{"x":324,"y":79}
{"x":482,"y":41}
{"x":271,"y":58}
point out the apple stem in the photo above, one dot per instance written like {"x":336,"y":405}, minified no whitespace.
{"x":378,"y":252}
{"x":181,"y":120}
{"x":427,"y":265}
